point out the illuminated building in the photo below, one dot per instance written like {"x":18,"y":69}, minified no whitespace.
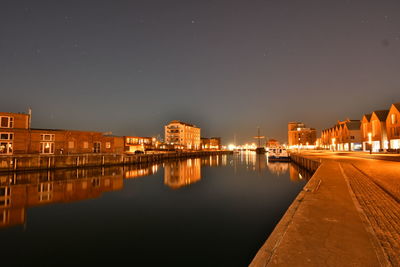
{"x":366,"y":131}
{"x":182,"y":135}
{"x":17,"y":137}
{"x":135,"y":143}
{"x":374,"y":135}
{"x":344,"y":136}
{"x":213,"y":143}
{"x":301,"y":136}
{"x":393,"y":126}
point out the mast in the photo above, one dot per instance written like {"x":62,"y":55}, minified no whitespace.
{"x":259,"y":137}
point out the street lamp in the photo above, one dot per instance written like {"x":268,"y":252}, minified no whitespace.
{"x":370,"y":142}
{"x":333,"y":143}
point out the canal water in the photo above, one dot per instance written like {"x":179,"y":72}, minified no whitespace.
{"x":212,"y":211}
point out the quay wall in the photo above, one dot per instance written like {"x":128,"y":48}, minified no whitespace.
{"x":28,"y":162}
{"x":310,"y":165}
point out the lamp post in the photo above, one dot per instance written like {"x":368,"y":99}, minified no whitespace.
{"x":370,"y":142}
{"x":333,"y":143}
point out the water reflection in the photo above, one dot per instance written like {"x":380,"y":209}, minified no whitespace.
{"x":182,"y":173}
{"x":278,"y":168}
{"x":20,"y":191}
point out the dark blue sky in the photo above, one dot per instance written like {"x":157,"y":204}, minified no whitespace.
{"x":227,"y":66}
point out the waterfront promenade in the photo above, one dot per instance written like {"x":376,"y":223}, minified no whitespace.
{"x":347,"y":215}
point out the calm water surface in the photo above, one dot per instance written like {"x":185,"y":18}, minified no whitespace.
{"x":213,"y":211}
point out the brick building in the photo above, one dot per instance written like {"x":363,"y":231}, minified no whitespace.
{"x":17,"y":137}
{"x":300,"y":135}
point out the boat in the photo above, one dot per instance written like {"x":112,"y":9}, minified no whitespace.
{"x":278,"y":153}
{"x":260,"y":149}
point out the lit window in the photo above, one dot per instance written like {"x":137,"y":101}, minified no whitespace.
{"x":6,"y":144}
{"x":393,"y":118}
{"x":6,"y":122}
{"x":85,"y":144}
{"x":47,"y":148}
{"x":108,"y":145}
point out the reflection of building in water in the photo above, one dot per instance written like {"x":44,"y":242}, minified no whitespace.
{"x":182,"y":173}
{"x":298,"y":174}
{"x":278,"y":168}
{"x":214,"y":160}
{"x":138,"y":171}
{"x":18,"y":192}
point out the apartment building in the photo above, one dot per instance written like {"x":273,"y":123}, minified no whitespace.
{"x":182,"y":135}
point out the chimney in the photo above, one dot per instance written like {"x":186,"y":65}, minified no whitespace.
{"x":30,"y":117}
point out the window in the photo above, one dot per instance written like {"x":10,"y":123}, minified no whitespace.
{"x":108,"y":145}
{"x":71,"y":144}
{"x":47,"y":147}
{"x":393,"y":117}
{"x":85,"y":144}
{"x":374,"y":128}
{"x":96,"y":147}
{"x":6,"y":145}
{"x":47,"y":137}
{"x":6,"y":136}
{"x":6,"y":122}
{"x":6,"y":148}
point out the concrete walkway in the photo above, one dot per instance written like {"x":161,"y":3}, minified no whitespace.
{"x":343,"y":217}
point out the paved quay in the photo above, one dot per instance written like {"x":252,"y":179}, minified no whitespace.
{"x":348,"y":214}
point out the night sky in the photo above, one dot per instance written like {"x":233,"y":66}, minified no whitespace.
{"x":227,"y":66}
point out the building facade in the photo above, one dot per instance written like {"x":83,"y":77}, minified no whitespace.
{"x":373,"y":132}
{"x":213,"y":143}
{"x":17,"y":137}
{"x":300,"y":136}
{"x":182,"y":135}
{"x":136,"y":143}
{"x":393,"y":127}
{"x":344,"y":136}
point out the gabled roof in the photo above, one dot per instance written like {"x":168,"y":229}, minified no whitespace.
{"x":397,"y":106}
{"x":353,"y":125}
{"x":368,"y":117}
{"x":381,"y":114}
